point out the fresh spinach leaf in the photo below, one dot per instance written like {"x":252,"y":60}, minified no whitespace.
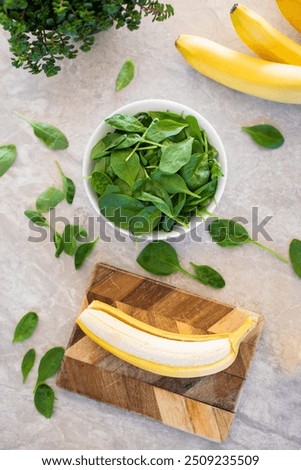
{"x":25,"y":327}
{"x":58,"y":243}
{"x":159,"y":258}
{"x":27,"y":363}
{"x":194,"y":130}
{"x":8,"y":155}
{"x":49,"y":198}
{"x":129,"y":140}
{"x":124,"y":188}
{"x":167,"y":115}
{"x":119,"y":208}
{"x":37,"y":218}
{"x":127,"y":123}
{"x":175,"y":156}
{"x":110,"y":141}
{"x":208,"y":276}
{"x":50,"y":364}
{"x":83,"y":252}
{"x":265,"y":135}
{"x":145,"y":221}
{"x":50,"y":135}
{"x":70,"y":236}
{"x":160,"y":130}
{"x":295,"y":256}
{"x":172,"y":183}
{"x":125,"y":75}
{"x":196,"y":172}
{"x":126,"y":168}
{"x":99,"y":182}
{"x":216,"y":169}
{"x":68,"y":185}
{"x":44,"y":400}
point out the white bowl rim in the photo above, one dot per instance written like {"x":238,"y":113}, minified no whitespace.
{"x":156,"y":105}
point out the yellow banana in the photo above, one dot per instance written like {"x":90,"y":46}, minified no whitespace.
{"x":291,"y":10}
{"x":257,"y":77}
{"x":159,"y":351}
{"x":263,"y":38}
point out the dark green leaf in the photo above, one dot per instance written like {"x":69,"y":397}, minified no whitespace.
{"x":50,"y":135}
{"x":295,"y":255}
{"x":8,"y":155}
{"x":159,"y":258}
{"x":194,"y":130}
{"x":126,"y":75}
{"x":99,"y":182}
{"x":145,"y":221}
{"x":196,"y":172}
{"x":176,"y":155}
{"x":102,"y":165}
{"x":37,"y":218}
{"x":50,"y":364}
{"x":208,"y":276}
{"x":27,"y":363}
{"x":25,"y":327}
{"x":49,"y":198}
{"x":160,"y":130}
{"x":124,"y":122}
{"x":83,"y":252}
{"x":44,"y":400}
{"x":227,"y":232}
{"x":172,"y":183}
{"x":110,"y":141}
{"x":128,"y":141}
{"x":126,"y":168}
{"x":59,"y":243}
{"x":68,"y":185}
{"x":167,"y":115}
{"x":265,"y":135}
{"x":69,"y":238}
{"x":123,"y":187}
{"x":119,"y":208}
{"x":148,"y":190}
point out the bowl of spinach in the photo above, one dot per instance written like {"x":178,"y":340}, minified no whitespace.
{"x":154,"y":168}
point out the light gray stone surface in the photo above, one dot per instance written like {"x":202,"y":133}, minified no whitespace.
{"x":76,"y":100}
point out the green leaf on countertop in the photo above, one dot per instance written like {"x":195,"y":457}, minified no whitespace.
{"x":44,"y":400}
{"x":49,"y":198}
{"x":208,"y":276}
{"x":37,"y":218}
{"x":50,"y":135}
{"x":8,"y":155}
{"x":265,"y":135}
{"x":83,"y":252}
{"x":125,"y":75}
{"x":27,"y":363}
{"x":70,"y":236}
{"x":50,"y":364}
{"x":68,"y":185}
{"x":25,"y":327}
{"x":295,"y":256}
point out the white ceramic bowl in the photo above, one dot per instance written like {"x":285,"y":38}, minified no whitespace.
{"x":157,"y":105}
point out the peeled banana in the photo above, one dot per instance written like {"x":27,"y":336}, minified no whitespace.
{"x":159,"y":351}
{"x":291,"y":10}
{"x":263,"y":38}
{"x":257,"y":77}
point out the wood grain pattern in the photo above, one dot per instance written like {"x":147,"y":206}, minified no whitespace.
{"x":205,"y":406}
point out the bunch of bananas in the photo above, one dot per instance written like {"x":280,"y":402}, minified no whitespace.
{"x":160,"y":351}
{"x":275,"y":76}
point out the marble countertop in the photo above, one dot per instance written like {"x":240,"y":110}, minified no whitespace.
{"x":262,"y":182}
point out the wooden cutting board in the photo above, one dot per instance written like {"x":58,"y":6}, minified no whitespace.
{"x":204,"y":406}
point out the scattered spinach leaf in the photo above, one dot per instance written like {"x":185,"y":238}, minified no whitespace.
{"x":25,"y":327}
{"x":125,"y":75}
{"x":70,"y":236}
{"x":37,"y":218}
{"x":27,"y":363}
{"x":50,"y":135}
{"x":8,"y":155}
{"x":295,"y":256}
{"x":208,"y":276}
{"x":265,"y":135}
{"x":49,"y":198}
{"x":44,"y":400}
{"x":68,"y":185}
{"x":50,"y":364}
{"x":83,"y":252}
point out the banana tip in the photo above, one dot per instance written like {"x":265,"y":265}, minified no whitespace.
{"x":234,"y":8}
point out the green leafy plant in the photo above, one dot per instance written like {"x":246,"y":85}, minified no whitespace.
{"x":83,"y":252}
{"x":69,"y":188}
{"x":44,"y":400}
{"x":25,"y":327}
{"x":44,"y":33}
{"x":265,"y":135}
{"x":154,"y":170}
{"x":52,"y":137}
{"x":27,"y":363}
{"x":161,"y":258}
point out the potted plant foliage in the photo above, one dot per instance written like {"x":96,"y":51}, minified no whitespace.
{"x":42,"y":33}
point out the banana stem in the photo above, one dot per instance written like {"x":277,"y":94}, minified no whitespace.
{"x":269,"y":250}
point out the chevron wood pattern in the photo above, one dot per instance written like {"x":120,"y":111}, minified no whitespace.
{"x":204,"y":406}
